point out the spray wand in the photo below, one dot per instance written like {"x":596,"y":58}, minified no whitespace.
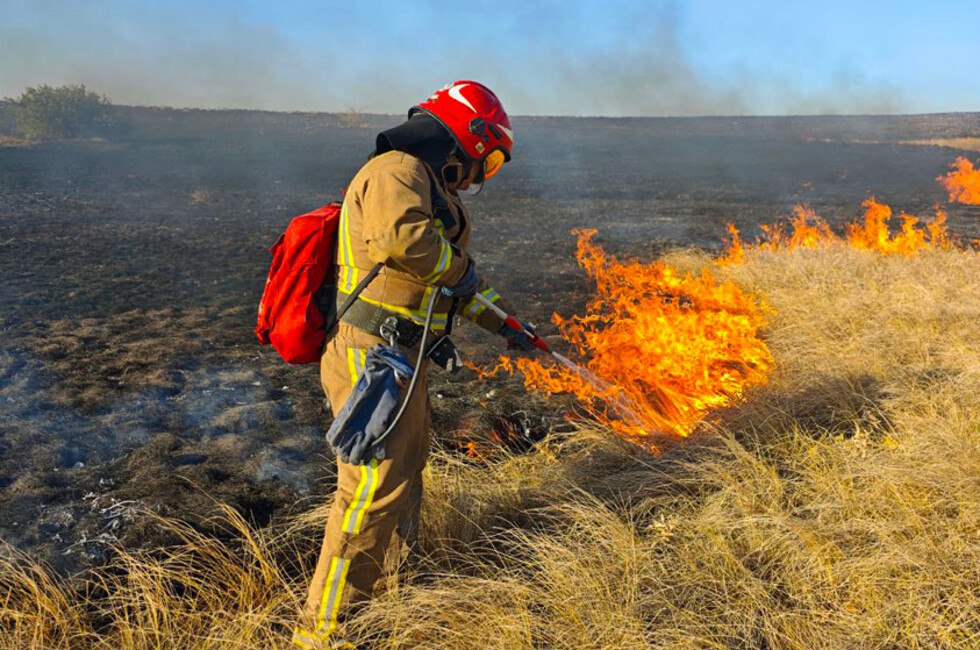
{"x":535,"y":340}
{"x":617,"y":402}
{"x":541,"y":344}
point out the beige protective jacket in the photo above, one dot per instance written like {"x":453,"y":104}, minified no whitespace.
{"x":387,"y":218}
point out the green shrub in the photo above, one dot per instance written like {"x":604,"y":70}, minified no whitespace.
{"x":63,"y":112}
{"x":7,"y":111}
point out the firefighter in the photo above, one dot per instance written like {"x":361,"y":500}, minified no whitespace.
{"x":402,"y":210}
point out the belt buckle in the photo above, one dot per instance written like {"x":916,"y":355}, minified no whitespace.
{"x":389,"y":330}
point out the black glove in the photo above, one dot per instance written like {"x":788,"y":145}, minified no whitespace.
{"x":517,"y":340}
{"x":466,"y":288}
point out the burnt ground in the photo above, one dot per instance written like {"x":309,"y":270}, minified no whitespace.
{"x":130,"y":269}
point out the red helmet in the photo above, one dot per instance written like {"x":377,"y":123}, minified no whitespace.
{"x":477,"y":120}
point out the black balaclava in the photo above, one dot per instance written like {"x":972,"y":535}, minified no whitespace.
{"x":421,"y":135}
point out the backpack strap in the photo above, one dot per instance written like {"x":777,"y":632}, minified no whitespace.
{"x":361,"y":286}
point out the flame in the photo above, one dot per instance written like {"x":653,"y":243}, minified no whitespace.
{"x":874,"y":235}
{"x":807,"y":230}
{"x":734,"y":250}
{"x":661,"y":348}
{"x":962,"y":182}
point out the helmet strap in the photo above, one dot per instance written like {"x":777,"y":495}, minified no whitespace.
{"x":452,"y":172}
{"x":481,"y":175}
{"x":474,"y":192}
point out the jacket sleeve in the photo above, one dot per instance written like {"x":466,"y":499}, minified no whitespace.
{"x":399,"y":228}
{"x":481,"y":315}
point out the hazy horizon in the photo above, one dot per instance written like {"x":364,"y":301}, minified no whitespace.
{"x":231,"y":109}
{"x":613,"y":59}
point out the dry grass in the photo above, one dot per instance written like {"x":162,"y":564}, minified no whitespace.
{"x":14,"y":141}
{"x":966,"y":144}
{"x":837,"y":507}
{"x":202,"y":195}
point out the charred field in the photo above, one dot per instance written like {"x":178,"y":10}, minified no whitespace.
{"x":131,"y":384}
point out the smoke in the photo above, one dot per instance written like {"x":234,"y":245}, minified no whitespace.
{"x":153,"y":55}
{"x":647,"y":71}
{"x":544,"y":58}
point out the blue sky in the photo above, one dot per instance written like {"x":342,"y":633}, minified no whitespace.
{"x":574,"y":58}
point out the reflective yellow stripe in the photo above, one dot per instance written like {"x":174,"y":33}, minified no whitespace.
{"x":355,"y":364}
{"x":416,"y":316}
{"x":342,"y":254}
{"x":348,"y":272}
{"x":347,"y":278}
{"x":305,"y":639}
{"x":335,"y":610}
{"x":363,"y":496}
{"x":359,"y":360}
{"x":445,"y":258}
{"x":332,"y":595}
{"x":474,"y":307}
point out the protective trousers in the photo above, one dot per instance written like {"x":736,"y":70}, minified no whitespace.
{"x":371,"y":500}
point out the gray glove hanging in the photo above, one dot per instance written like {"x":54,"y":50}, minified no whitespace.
{"x":371,"y":412}
{"x":358,"y":433}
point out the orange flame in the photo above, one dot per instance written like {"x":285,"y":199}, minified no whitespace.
{"x":807,"y":230}
{"x":734,"y":250}
{"x":663,"y":348}
{"x":873,"y":234}
{"x":962,"y":182}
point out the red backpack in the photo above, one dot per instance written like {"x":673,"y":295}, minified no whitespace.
{"x":299,"y":294}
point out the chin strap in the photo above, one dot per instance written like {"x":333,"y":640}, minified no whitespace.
{"x":457,"y":173}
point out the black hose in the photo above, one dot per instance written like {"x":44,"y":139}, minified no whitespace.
{"x":418,"y":367}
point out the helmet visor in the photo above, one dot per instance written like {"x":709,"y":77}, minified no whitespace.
{"x":492,"y":163}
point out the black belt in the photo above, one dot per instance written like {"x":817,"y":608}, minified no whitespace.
{"x":381,"y":322}
{"x":393,"y":327}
